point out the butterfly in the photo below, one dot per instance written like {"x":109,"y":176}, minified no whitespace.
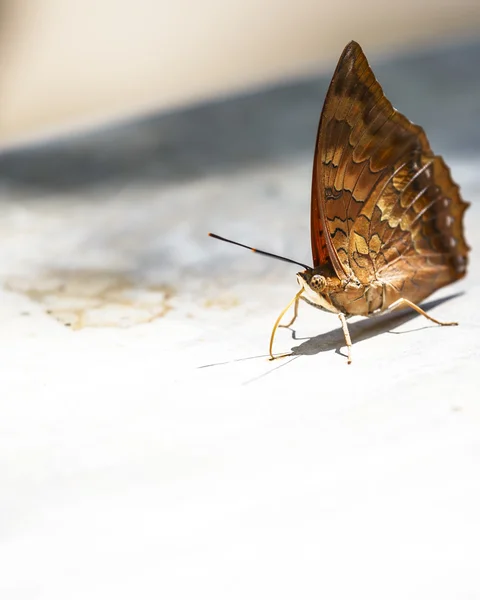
{"x":386,"y":217}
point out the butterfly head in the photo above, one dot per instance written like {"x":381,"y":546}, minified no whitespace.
{"x":317,"y":288}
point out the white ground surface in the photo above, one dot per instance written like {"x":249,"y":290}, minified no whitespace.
{"x":148,"y":449}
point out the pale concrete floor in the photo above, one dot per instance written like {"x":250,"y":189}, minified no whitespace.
{"x":148,"y":447}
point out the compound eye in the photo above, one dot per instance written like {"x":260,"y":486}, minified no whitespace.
{"x":317,"y":282}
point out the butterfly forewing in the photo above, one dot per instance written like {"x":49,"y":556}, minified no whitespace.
{"x":383,"y":205}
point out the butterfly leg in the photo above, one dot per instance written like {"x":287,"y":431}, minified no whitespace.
{"x":346,"y":333}
{"x":420,"y":311}
{"x":295,"y":314}
{"x":295,"y":300}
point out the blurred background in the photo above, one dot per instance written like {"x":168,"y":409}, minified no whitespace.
{"x":67,"y":64}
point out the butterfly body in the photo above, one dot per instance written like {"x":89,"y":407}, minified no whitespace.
{"x":331,"y":294}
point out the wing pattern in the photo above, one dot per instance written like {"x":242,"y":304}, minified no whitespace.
{"x":383,"y":205}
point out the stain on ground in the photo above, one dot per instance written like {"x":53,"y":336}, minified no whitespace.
{"x":222,"y":301}
{"x":85,"y":298}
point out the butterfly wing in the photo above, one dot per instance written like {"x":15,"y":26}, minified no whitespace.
{"x":381,"y":200}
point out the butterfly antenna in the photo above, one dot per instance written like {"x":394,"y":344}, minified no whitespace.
{"x":288,"y":260}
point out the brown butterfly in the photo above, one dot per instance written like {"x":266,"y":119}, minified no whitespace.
{"x":386,"y":217}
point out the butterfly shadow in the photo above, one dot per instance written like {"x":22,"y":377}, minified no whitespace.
{"x":334,"y":340}
{"x":365,"y":329}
